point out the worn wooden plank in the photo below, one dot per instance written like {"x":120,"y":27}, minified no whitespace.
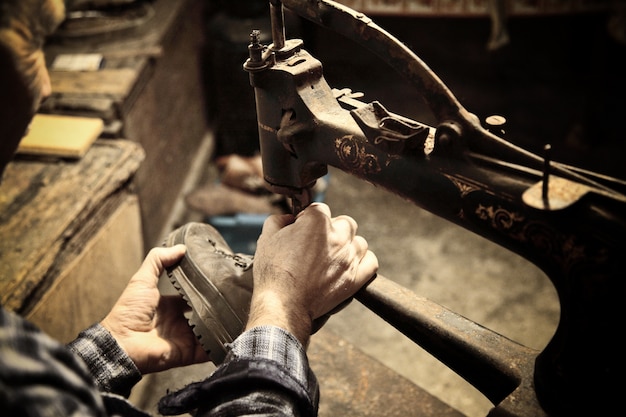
{"x":92,"y":272}
{"x":117,"y":82}
{"x":43,"y":203}
{"x":164,"y":110}
{"x":128,"y":59}
{"x":169,"y":120}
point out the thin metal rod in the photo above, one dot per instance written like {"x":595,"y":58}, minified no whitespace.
{"x":547,"y":155}
{"x":278,"y":24}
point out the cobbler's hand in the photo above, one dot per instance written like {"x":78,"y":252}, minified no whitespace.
{"x":152,"y":328}
{"x":306,"y":266}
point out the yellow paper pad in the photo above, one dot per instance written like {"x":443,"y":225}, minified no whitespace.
{"x":64,"y":136}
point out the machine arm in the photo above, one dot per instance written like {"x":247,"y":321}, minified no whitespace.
{"x":568,"y":222}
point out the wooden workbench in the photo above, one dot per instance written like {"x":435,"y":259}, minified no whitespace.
{"x":148,"y":90}
{"x":71,"y":235}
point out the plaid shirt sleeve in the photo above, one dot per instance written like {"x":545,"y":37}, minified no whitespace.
{"x":266,"y":372}
{"x":39,"y":376}
{"x":275,"y":344}
{"x":113,"y":370}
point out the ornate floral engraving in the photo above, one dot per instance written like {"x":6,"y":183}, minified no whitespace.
{"x":353,"y":156}
{"x":563,"y":249}
{"x":465,"y":185}
{"x":499,"y":218}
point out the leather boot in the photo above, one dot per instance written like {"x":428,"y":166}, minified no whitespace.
{"x":215,"y":282}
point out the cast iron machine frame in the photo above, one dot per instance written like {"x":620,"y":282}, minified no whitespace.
{"x":569,"y":222}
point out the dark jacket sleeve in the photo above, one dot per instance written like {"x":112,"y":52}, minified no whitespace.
{"x":266,"y":373}
{"x":244,"y":387}
{"x":38,"y":375}
{"x":41,"y":377}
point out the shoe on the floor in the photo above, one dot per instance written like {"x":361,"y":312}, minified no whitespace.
{"x":215,"y":282}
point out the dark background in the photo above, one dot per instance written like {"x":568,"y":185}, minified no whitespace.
{"x":560,"y":80}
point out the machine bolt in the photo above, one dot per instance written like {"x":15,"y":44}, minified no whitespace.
{"x":255,"y":61}
{"x":255,"y":49}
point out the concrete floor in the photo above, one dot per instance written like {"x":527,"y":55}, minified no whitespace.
{"x":549,"y":95}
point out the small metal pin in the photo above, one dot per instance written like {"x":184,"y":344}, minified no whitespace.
{"x":547,"y":154}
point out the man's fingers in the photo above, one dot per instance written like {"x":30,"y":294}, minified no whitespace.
{"x":276,"y":222}
{"x":360,"y":245}
{"x":367,"y":269}
{"x":159,"y":258}
{"x":345,"y":224}
{"x":163,"y":256}
{"x":315,"y":209}
{"x":367,"y":262}
{"x":170,"y":255}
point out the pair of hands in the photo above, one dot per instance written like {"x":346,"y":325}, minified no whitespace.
{"x":304,"y":267}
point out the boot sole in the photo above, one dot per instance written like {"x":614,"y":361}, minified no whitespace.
{"x":213,"y":321}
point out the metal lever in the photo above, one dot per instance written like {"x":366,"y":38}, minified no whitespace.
{"x":481,"y":356}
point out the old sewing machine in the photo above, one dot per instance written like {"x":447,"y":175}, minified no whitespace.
{"x":569,"y":222}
